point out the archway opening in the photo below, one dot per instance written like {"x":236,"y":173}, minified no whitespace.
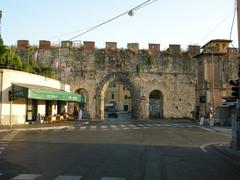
{"x":132,"y":98}
{"x":155,"y":104}
{"x":117,"y":101}
{"x":83,"y":104}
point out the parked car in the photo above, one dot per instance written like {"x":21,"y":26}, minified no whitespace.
{"x":112,"y":112}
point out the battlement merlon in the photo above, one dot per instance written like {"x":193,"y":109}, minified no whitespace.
{"x":112,"y":46}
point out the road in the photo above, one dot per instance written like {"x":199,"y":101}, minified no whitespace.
{"x":117,"y":151}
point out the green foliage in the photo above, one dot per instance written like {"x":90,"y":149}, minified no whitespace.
{"x":48,"y":71}
{"x":150,"y":61}
{"x":11,"y":60}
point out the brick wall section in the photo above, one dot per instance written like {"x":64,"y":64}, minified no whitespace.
{"x":193,"y":50}
{"x":22,"y":44}
{"x":111,"y":46}
{"x":175,"y":48}
{"x":89,"y":45}
{"x":133,"y":47}
{"x":154,"y":47}
{"x":43,"y":44}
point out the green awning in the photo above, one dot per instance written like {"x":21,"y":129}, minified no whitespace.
{"x":44,"y":93}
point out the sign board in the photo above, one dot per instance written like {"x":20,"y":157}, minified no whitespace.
{"x":142,"y":98}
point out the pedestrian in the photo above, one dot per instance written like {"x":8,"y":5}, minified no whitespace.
{"x":80,"y":114}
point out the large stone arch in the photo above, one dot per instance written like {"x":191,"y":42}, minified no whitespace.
{"x":124,"y":79}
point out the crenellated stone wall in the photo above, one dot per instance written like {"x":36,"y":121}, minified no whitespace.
{"x":172,"y":72}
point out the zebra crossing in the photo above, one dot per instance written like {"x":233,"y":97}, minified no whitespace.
{"x":119,"y":127}
{"x":6,"y":140}
{"x":60,"y":177}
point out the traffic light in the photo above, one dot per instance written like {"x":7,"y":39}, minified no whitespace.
{"x":235,"y":88}
{"x":10,"y":95}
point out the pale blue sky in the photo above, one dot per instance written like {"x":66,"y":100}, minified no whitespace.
{"x":166,"y":22}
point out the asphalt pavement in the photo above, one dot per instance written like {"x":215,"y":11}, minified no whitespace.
{"x":118,"y":151}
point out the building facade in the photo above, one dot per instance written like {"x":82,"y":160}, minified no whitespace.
{"x":24,"y":97}
{"x":217,"y":64}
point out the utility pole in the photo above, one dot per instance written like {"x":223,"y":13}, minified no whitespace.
{"x":238,"y":22}
{"x":0,"y":23}
{"x":235,"y":142}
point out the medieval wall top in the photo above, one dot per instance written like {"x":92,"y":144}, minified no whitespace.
{"x":90,"y":45}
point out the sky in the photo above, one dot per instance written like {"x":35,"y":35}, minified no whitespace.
{"x":184,"y":22}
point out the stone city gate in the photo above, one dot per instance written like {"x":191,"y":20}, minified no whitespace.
{"x":124,"y":79}
{"x":172,"y":72}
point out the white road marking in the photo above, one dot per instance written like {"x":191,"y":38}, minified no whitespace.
{"x":113,"y":126}
{"x":83,"y":128}
{"x":68,"y":177}
{"x":93,"y":127}
{"x":159,"y":125}
{"x":0,"y":152}
{"x":103,"y":127}
{"x":123,"y":126}
{"x":131,"y":125}
{"x":203,"y":147}
{"x":70,"y":128}
{"x":2,"y":148}
{"x":112,"y":178}
{"x":27,"y":176}
{"x":6,"y":139}
{"x":3,"y":144}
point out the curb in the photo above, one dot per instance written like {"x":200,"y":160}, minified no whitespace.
{"x":43,"y":128}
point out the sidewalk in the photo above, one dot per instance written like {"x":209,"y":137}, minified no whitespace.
{"x":233,"y":155}
{"x":38,"y":126}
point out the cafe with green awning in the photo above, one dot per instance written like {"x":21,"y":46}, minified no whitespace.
{"x":38,"y":97}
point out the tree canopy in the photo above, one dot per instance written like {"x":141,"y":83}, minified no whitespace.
{"x":11,"y":60}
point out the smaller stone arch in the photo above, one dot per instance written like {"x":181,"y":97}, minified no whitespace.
{"x":156,"y":104}
{"x":84,"y":101}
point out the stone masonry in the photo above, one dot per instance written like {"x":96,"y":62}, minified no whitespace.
{"x":172,"y":72}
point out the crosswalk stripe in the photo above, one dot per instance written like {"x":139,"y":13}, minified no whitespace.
{"x":68,"y":177}
{"x":131,"y":125}
{"x":112,"y":178}
{"x":70,"y":128}
{"x":83,"y":127}
{"x":5,"y":139}
{"x":93,"y":127}
{"x":103,"y":127}
{"x":159,"y":125}
{"x":27,"y":177}
{"x":0,"y":152}
{"x":3,"y":144}
{"x":2,"y":148}
{"x":123,"y":126}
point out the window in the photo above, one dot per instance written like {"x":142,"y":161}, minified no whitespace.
{"x":124,"y":88}
{"x":112,"y":96}
{"x":224,"y":46}
{"x":125,"y":97}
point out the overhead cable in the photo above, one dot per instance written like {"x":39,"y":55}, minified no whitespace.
{"x":130,"y":12}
